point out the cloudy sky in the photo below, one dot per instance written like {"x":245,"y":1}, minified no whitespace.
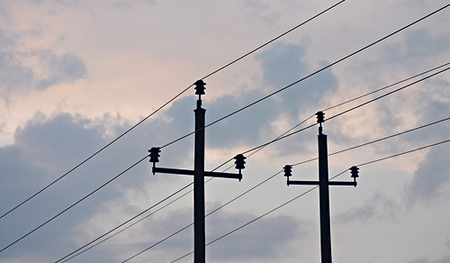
{"x":75,"y":74}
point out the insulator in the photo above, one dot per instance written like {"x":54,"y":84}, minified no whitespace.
{"x":200,"y":87}
{"x":320,"y":117}
{"x":354,"y":171}
{"x":154,"y":154}
{"x":287,"y":170}
{"x":240,"y":161}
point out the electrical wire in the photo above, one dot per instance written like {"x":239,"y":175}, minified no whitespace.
{"x":124,"y":223}
{"x":308,"y":191}
{"x":311,"y":74}
{"x":256,"y":149}
{"x":94,"y":154}
{"x":377,"y":140}
{"x":264,"y":181}
{"x":387,"y":86}
{"x":373,"y":43}
{"x":276,"y":38}
{"x":286,"y":135}
{"x":388,"y":93}
{"x":74,"y":204}
{"x":168,"y":102}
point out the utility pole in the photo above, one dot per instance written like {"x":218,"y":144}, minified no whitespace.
{"x":323,"y":183}
{"x":199,"y":174}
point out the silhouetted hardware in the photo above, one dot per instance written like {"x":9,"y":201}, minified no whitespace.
{"x":323,"y":183}
{"x":199,"y":173}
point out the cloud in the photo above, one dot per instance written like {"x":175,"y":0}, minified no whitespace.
{"x":284,"y":64}
{"x":43,"y":150}
{"x":431,"y":178}
{"x":65,"y":68}
{"x":372,"y":210}
{"x":23,"y":69}
{"x":263,"y":240}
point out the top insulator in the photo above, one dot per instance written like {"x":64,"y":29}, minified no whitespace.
{"x":200,"y":87}
{"x":354,"y":171}
{"x":320,"y":117}
{"x":240,"y":162}
{"x":154,"y":154}
{"x":287,"y":170}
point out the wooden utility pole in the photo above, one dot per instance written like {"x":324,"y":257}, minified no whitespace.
{"x":323,"y":183}
{"x":199,"y":174}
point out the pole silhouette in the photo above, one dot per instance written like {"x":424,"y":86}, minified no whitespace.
{"x":323,"y":183}
{"x":199,"y":174}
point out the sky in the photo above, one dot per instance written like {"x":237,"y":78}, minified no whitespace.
{"x":76,"y":74}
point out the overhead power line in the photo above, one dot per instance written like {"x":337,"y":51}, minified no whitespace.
{"x":377,"y":140}
{"x":310,"y":190}
{"x":389,"y":93}
{"x":167,"y":103}
{"x":272,"y":176}
{"x":373,"y":43}
{"x":286,"y":135}
{"x":311,"y":74}
{"x":386,"y":87}
{"x":256,"y":149}
{"x":281,"y":136}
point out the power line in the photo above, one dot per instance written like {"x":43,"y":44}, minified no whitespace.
{"x":406,"y":152}
{"x":124,"y":223}
{"x":67,"y":258}
{"x":74,"y":204}
{"x":282,"y":136}
{"x":348,"y":110}
{"x":388,"y":93}
{"x":258,"y":148}
{"x":272,"y":176}
{"x":94,"y":154}
{"x":276,"y":38}
{"x":344,"y":150}
{"x":312,"y":74}
{"x":351,"y":148}
{"x":308,"y":191}
{"x":378,"y":140}
{"x":168,"y":102}
{"x":387,"y":86}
